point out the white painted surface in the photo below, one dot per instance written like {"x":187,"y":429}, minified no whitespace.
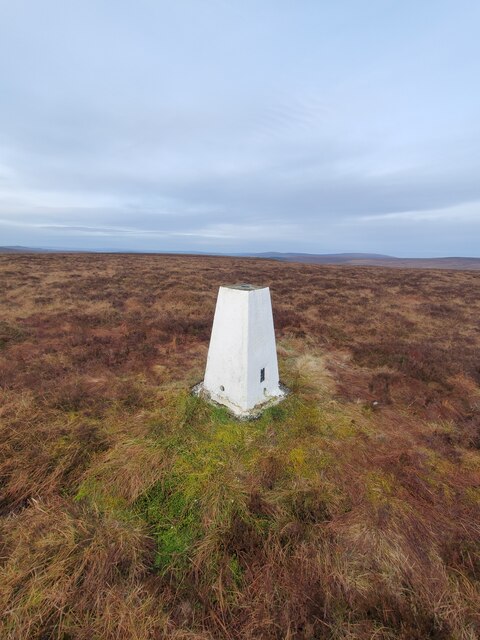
{"x":241,"y":345}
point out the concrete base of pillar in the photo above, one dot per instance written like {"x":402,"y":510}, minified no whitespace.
{"x":253,"y":413}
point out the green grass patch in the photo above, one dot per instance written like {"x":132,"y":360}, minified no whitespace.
{"x":174,"y":521}
{"x":93,"y":492}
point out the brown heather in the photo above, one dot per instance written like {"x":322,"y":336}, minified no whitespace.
{"x":130,"y":510}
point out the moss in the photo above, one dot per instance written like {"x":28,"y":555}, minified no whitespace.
{"x":236,"y":571}
{"x":94,"y":493}
{"x":173,"y":519}
{"x":379,"y":487}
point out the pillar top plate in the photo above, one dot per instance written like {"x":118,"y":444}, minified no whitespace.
{"x":243,"y":286}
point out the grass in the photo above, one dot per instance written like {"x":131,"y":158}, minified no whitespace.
{"x":130,"y":509}
{"x":173,"y":519}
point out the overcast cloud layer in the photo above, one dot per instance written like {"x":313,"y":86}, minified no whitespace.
{"x":249,"y":125}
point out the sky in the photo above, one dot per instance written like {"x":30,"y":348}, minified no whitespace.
{"x":241,"y":125}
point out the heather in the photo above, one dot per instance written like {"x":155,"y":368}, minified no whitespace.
{"x":130,"y":509}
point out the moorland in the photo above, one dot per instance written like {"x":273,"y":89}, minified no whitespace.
{"x":131,"y":510}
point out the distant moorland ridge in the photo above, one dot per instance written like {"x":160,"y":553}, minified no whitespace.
{"x":377,"y":260}
{"x":352,"y":259}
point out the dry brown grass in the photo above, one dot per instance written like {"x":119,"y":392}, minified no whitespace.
{"x":130,"y":510}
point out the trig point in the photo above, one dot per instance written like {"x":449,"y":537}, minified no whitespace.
{"x":242,"y":369}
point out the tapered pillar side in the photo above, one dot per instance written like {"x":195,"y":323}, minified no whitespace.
{"x":242,"y":369}
{"x":225,"y":374}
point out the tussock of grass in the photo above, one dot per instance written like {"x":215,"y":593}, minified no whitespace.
{"x":66,"y":567}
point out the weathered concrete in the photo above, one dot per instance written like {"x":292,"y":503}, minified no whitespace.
{"x":242,"y":368}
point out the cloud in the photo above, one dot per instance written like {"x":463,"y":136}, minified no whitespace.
{"x":259,"y":127}
{"x":465,"y":212}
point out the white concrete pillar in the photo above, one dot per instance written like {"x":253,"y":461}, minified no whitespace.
{"x":242,"y":368}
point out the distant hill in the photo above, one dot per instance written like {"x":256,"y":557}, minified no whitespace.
{"x":19,"y":249}
{"x":324,"y":258}
{"x":377,"y":260}
{"x":352,"y":259}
